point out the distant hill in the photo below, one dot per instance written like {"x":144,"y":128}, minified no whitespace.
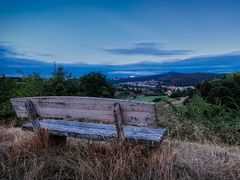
{"x":225,"y":63}
{"x":173,"y":78}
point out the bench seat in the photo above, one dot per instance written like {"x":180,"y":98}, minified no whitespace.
{"x":96,"y":131}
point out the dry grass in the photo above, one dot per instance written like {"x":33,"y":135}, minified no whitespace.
{"x":22,"y":156}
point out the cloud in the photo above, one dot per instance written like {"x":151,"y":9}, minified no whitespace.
{"x":44,"y":54}
{"x":134,"y":72}
{"x":38,"y":55}
{"x":147,"y":48}
{"x":6,"y":50}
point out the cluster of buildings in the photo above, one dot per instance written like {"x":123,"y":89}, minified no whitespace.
{"x":169,"y":90}
{"x":139,"y":84}
{"x":152,"y":87}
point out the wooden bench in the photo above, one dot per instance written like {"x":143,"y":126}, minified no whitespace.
{"x":125,"y":120}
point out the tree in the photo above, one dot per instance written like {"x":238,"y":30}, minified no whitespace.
{"x":96,"y":85}
{"x":178,"y":94}
{"x":7,"y":87}
{"x":159,"y":90}
{"x":31,"y":85}
{"x":216,"y":93}
{"x":224,"y":92}
{"x":57,"y":85}
{"x":205,"y":88}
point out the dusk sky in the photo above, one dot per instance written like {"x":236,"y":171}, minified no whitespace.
{"x":118,"y":32}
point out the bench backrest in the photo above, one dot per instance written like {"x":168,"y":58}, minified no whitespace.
{"x":132,"y":112}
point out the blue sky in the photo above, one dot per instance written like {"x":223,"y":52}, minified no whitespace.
{"x":118,"y":32}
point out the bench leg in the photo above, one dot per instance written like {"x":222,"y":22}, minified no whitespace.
{"x":57,"y":140}
{"x":119,"y":123}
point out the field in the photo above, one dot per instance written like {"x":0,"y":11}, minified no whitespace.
{"x":149,"y":98}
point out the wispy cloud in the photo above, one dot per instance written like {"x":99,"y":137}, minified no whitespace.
{"x":8,"y":51}
{"x":30,"y":54}
{"x":44,"y":54}
{"x":147,"y":48}
{"x":134,"y":72}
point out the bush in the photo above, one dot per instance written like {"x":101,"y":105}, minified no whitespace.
{"x":223,"y":91}
{"x":213,"y":107}
{"x":7,"y":87}
{"x":96,"y":85}
{"x":201,"y":121}
{"x":31,"y":85}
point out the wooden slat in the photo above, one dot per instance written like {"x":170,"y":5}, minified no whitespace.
{"x":134,"y":113}
{"x":101,"y":132}
{"x":119,"y":123}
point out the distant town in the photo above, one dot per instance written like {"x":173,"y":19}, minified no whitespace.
{"x":152,"y":87}
{"x":170,"y":84}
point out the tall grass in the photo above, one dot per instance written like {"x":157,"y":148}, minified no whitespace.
{"x":199,"y":121}
{"x":27,"y":158}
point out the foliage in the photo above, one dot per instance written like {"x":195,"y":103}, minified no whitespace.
{"x":199,"y":120}
{"x":212,"y":120}
{"x":59,"y":84}
{"x":31,"y":85}
{"x":178,"y":94}
{"x":96,"y":85}
{"x":159,"y":90}
{"x":214,"y":108}
{"x":7,"y":87}
{"x":225,"y":91}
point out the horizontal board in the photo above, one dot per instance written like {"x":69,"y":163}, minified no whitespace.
{"x":94,"y":131}
{"x":133,"y":113}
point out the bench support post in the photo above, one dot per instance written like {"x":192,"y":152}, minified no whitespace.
{"x":33,"y":116}
{"x":119,"y":123}
{"x":53,"y":140}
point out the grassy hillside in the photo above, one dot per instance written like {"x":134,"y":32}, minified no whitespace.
{"x":23,"y":157}
{"x":183,"y":155}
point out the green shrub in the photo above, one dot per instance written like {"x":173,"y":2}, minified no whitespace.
{"x":202,"y":121}
{"x":31,"y":85}
{"x":7,"y":87}
{"x":225,"y":91}
{"x":96,"y":85}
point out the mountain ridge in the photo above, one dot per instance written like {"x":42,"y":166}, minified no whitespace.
{"x":209,"y":64}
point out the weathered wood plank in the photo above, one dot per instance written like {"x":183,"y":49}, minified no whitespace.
{"x":95,"y":125}
{"x":94,"y":131}
{"x":32,"y":116}
{"x":119,"y":123}
{"x":133,"y":113}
